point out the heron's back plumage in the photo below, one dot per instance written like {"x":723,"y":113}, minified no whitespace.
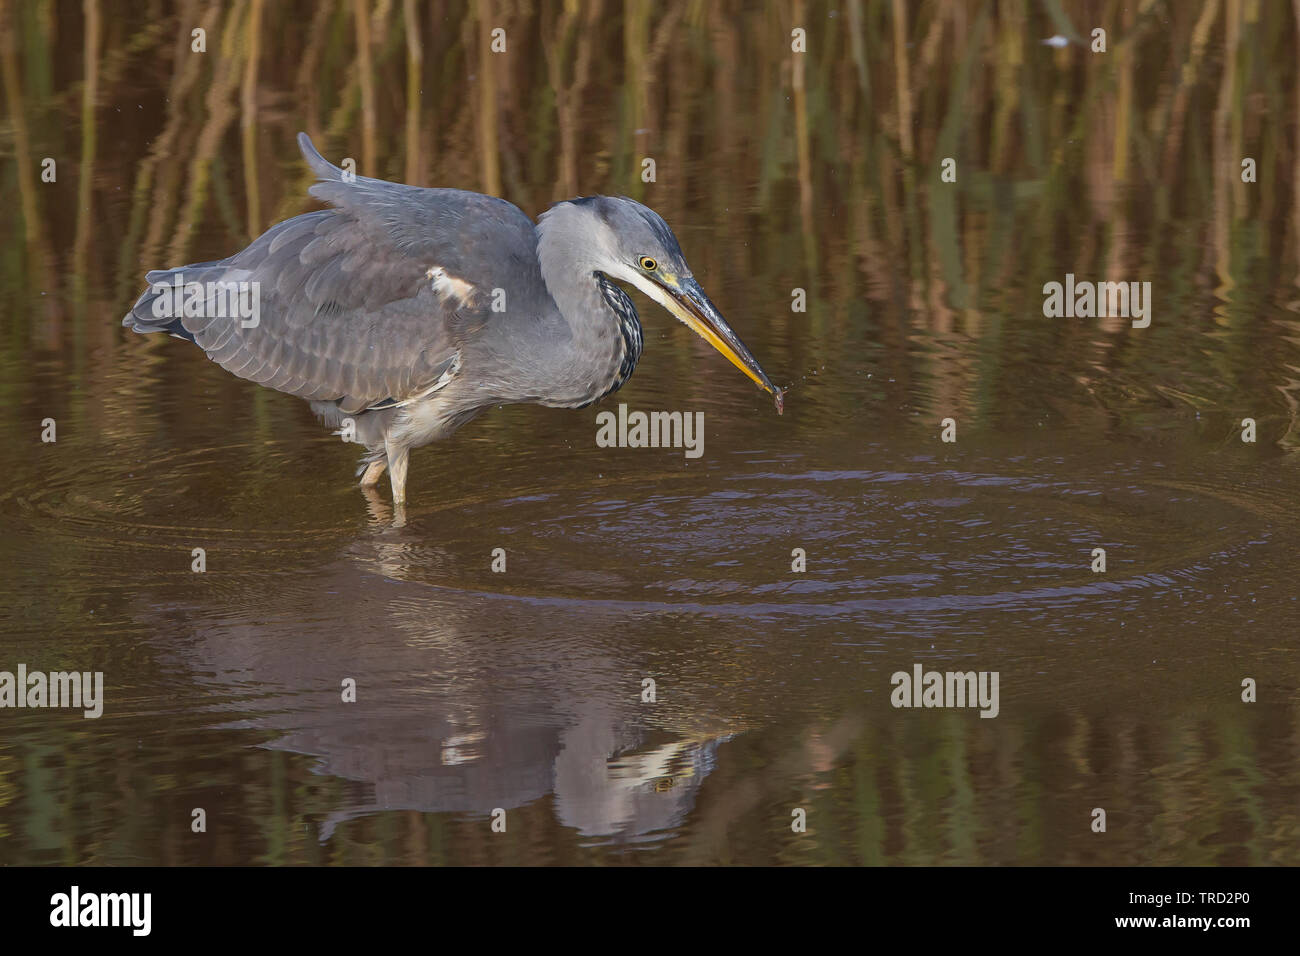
{"x":350,"y":307}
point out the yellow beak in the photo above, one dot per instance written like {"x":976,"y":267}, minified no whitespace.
{"x":689,"y":303}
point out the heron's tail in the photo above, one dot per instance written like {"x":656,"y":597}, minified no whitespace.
{"x":158,"y":308}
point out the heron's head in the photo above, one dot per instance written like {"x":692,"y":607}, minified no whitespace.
{"x":631,"y":243}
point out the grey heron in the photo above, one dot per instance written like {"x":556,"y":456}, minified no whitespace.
{"x":400,"y":313}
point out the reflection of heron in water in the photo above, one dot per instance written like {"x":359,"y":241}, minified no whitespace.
{"x":408,"y":311}
{"x":464,"y":715}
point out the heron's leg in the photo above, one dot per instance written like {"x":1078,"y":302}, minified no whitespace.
{"x":372,"y":473}
{"x":397,"y":459}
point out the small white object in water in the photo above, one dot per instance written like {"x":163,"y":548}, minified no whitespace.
{"x":1056,"y":41}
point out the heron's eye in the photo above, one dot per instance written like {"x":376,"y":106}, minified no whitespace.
{"x":648,"y":264}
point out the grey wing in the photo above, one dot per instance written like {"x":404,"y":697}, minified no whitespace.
{"x":363,"y":304}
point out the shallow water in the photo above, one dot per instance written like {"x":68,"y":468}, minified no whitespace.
{"x":522,"y":691}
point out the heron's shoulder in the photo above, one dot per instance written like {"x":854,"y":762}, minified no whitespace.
{"x":401,"y":209}
{"x":396,"y":203}
{"x":471,"y":206}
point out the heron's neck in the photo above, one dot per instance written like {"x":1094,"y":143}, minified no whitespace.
{"x":600,"y":341}
{"x":569,"y":271}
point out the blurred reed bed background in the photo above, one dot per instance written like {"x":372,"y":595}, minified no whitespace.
{"x":780,"y":170}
